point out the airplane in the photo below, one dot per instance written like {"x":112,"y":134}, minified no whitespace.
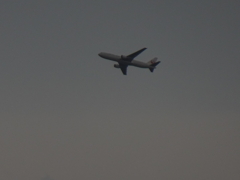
{"x":125,"y":61}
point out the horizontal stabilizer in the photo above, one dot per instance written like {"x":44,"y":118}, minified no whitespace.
{"x":153,"y":66}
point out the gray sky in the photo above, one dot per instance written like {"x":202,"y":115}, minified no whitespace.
{"x":65,"y":113}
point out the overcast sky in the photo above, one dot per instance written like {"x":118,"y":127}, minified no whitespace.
{"x":66,"y":113}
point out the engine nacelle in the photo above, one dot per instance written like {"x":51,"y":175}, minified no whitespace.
{"x":116,"y":66}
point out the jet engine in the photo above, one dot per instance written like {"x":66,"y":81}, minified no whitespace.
{"x":116,"y":66}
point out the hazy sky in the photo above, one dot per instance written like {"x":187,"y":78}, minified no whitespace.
{"x":66,"y":113}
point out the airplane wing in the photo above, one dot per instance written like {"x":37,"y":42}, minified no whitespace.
{"x":133,"y":55}
{"x":123,"y":68}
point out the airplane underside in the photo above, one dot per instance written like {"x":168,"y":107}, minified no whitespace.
{"x":125,"y":61}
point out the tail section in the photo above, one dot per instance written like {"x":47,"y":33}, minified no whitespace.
{"x":154,"y":60}
{"x":153,"y":63}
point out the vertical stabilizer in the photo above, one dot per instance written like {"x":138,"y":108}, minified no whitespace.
{"x":154,"y":60}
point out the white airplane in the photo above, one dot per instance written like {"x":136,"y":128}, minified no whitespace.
{"x":125,"y":61}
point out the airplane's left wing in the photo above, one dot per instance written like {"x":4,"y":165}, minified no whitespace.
{"x":133,"y":55}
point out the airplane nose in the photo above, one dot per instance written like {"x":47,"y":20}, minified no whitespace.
{"x":100,"y":54}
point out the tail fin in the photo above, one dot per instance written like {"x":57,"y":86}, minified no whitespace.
{"x":153,"y":63}
{"x":154,"y":60}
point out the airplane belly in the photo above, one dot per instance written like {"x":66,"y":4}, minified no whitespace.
{"x":139,"y":64}
{"x":113,"y":58}
{"x":124,"y":62}
{"x":109,"y":56}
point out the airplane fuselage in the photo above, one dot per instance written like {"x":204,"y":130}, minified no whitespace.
{"x":120,"y":60}
{"x":129,"y":60}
